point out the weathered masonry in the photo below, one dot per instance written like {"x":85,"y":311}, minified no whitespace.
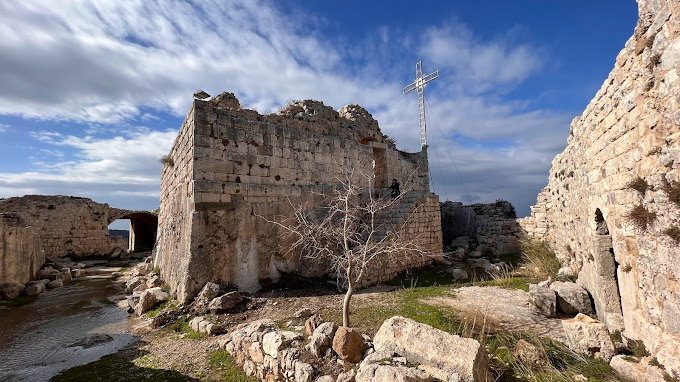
{"x":230,"y":167}
{"x":612,"y":205}
{"x":35,"y":226}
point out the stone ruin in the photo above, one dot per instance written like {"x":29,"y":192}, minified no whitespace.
{"x":36,"y":227}
{"x":229,"y":167}
{"x":611,"y":209}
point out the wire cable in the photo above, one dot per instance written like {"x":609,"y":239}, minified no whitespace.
{"x":447,"y":148}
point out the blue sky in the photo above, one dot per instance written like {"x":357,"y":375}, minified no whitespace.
{"x":94,"y":92}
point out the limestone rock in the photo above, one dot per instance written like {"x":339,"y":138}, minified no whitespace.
{"x":348,"y":344}
{"x":312,"y":323}
{"x":11,"y":291}
{"x":325,"y":378}
{"x":543,"y":299}
{"x":55,"y":284}
{"x":225,"y":302}
{"x":383,"y":373}
{"x":640,"y":371}
{"x":208,"y":293}
{"x":49,"y":273}
{"x":347,"y":376}
{"x":445,"y":353}
{"x":226,"y":100}
{"x":530,"y":355}
{"x":134,"y":282}
{"x":149,"y":298}
{"x":35,"y":289}
{"x":304,"y":312}
{"x":588,"y":336}
{"x":75,"y":273}
{"x":304,"y":372}
{"x":66,"y":275}
{"x":572,"y":299}
{"x":153,"y":281}
{"x":459,"y":274}
{"x":322,"y":338}
{"x":272,"y":342}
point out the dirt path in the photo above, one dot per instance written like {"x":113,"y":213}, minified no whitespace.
{"x":508,"y":308}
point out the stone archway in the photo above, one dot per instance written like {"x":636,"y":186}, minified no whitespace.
{"x":608,"y":295}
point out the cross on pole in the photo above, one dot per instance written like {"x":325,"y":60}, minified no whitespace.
{"x":419,"y":85}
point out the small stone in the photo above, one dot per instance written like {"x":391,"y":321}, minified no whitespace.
{"x":66,"y":275}
{"x":149,"y":298}
{"x":304,"y":372}
{"x":272,"y":342}
{"x":325,"y":378}
{"x":322,"y":338}
{"x":208,"y":293}
{"x":459,"y":274}
{"x":35,"y":289}
{"x":348,"y":344}
{"x":11,"y":291}
{"x":347,"y":376}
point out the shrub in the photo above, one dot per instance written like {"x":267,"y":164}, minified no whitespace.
{"x":638,"y":184}
{"x":672,"y":190}
{"x":673,"y":233}
{"x":539,"y":259}
{"x":167,"y":160}
{"x":641,"y":217}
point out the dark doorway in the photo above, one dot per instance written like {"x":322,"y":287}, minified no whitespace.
{"x":380,"y":168}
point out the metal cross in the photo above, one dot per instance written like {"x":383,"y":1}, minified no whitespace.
{"x":419,"y":85}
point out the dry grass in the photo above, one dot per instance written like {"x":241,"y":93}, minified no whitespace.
{"x":641,"y":217}
{"x":672,"y":190}
{"x":638,"y":184}
{"x":539,"y":259}
{"x":673,"y":233}
{"x":167,"y":160}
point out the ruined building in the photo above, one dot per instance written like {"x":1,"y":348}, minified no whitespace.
{"x":611,"y":209}
{"x":35,"y":226}
{"x":230,"y":168}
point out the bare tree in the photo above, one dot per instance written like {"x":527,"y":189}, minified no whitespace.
{"x":346,"y":231}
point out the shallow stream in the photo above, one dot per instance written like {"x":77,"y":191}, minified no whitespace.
{"x":63,"y":328}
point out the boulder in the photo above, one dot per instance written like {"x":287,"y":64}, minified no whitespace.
{"x":588,"y":336}
{"x":134,"y":282}
{"x":140,"y":288}
{"x":459,"y":274}
{"x":530,"y":355}
{"x":543,"y":299}
{"x":304,"y":372}
{"x":322,"y":338}
{"x":49,"y":273}
{"x":640,"y":371}
{"x":572,"y":299}
{"x":55,"y":284}
{"x":348,"y":344}
{"x":272,"y":342}
{"x":386,"y":366}
{"x":154,"y":281}
{"x":76,"y":272}
{"x":35,"y":289}
{"x":225,"y":302}
{"x":325,"y":378}
{"x":11,"y":291}
{"x":149,"y":298}
{"x":304,"y":312}
{"x":442,"y":353}
{"x":312,"y":323}
{"x":208,"y":293}
{"x":66,"y":274}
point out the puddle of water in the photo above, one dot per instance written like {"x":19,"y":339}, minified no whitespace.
{"x":35,"y":338}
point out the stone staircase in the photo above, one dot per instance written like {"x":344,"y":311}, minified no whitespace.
{"x":390,"y":220}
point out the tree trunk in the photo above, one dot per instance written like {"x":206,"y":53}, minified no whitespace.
{"x":345,"y":304}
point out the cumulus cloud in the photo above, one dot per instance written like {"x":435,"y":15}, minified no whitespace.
{"x":109,"y":65}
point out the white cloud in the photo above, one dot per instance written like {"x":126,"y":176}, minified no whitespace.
{"x":4,"y":127}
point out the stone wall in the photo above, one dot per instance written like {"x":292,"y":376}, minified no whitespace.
{"x":491,"y":227}
{"x":21,"y":253}
{"x":66,"y":225}
{"x":622,"y":166}
{"x":234,"y":169}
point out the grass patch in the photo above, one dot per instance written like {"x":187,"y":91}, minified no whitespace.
{"x":539,"y":259}
{"x":165,"y":305}
{"x":181,"y":325}
{"x":512,"y":282}
{"x":80,"y":304}
{"x":637,"y":347}
{"x":640,"y":217}
{"x":220,"y":361}
{"x":638,"y":184}
{"x":672,"y":190}
{"x":424,"y":277}
{"x":123,"y":269}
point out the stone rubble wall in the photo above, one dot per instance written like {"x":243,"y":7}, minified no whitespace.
{"x":235,"y":169}
{"x":21,"y":252}
{"x":630,"y":129}
{"x":66,"y":225}
{"x":421,"y":225}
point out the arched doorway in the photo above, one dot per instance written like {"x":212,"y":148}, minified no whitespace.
{"x":142,"y":229}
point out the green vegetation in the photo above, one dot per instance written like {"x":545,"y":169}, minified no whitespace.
{"x":163,"y":306}
{"x":181,"y":325}
{"x":510,"y":282}
{"x":222,"y":362}
{"x":539,"y":259}
{"x":640,"y":217}
{"x":637,"y":347}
